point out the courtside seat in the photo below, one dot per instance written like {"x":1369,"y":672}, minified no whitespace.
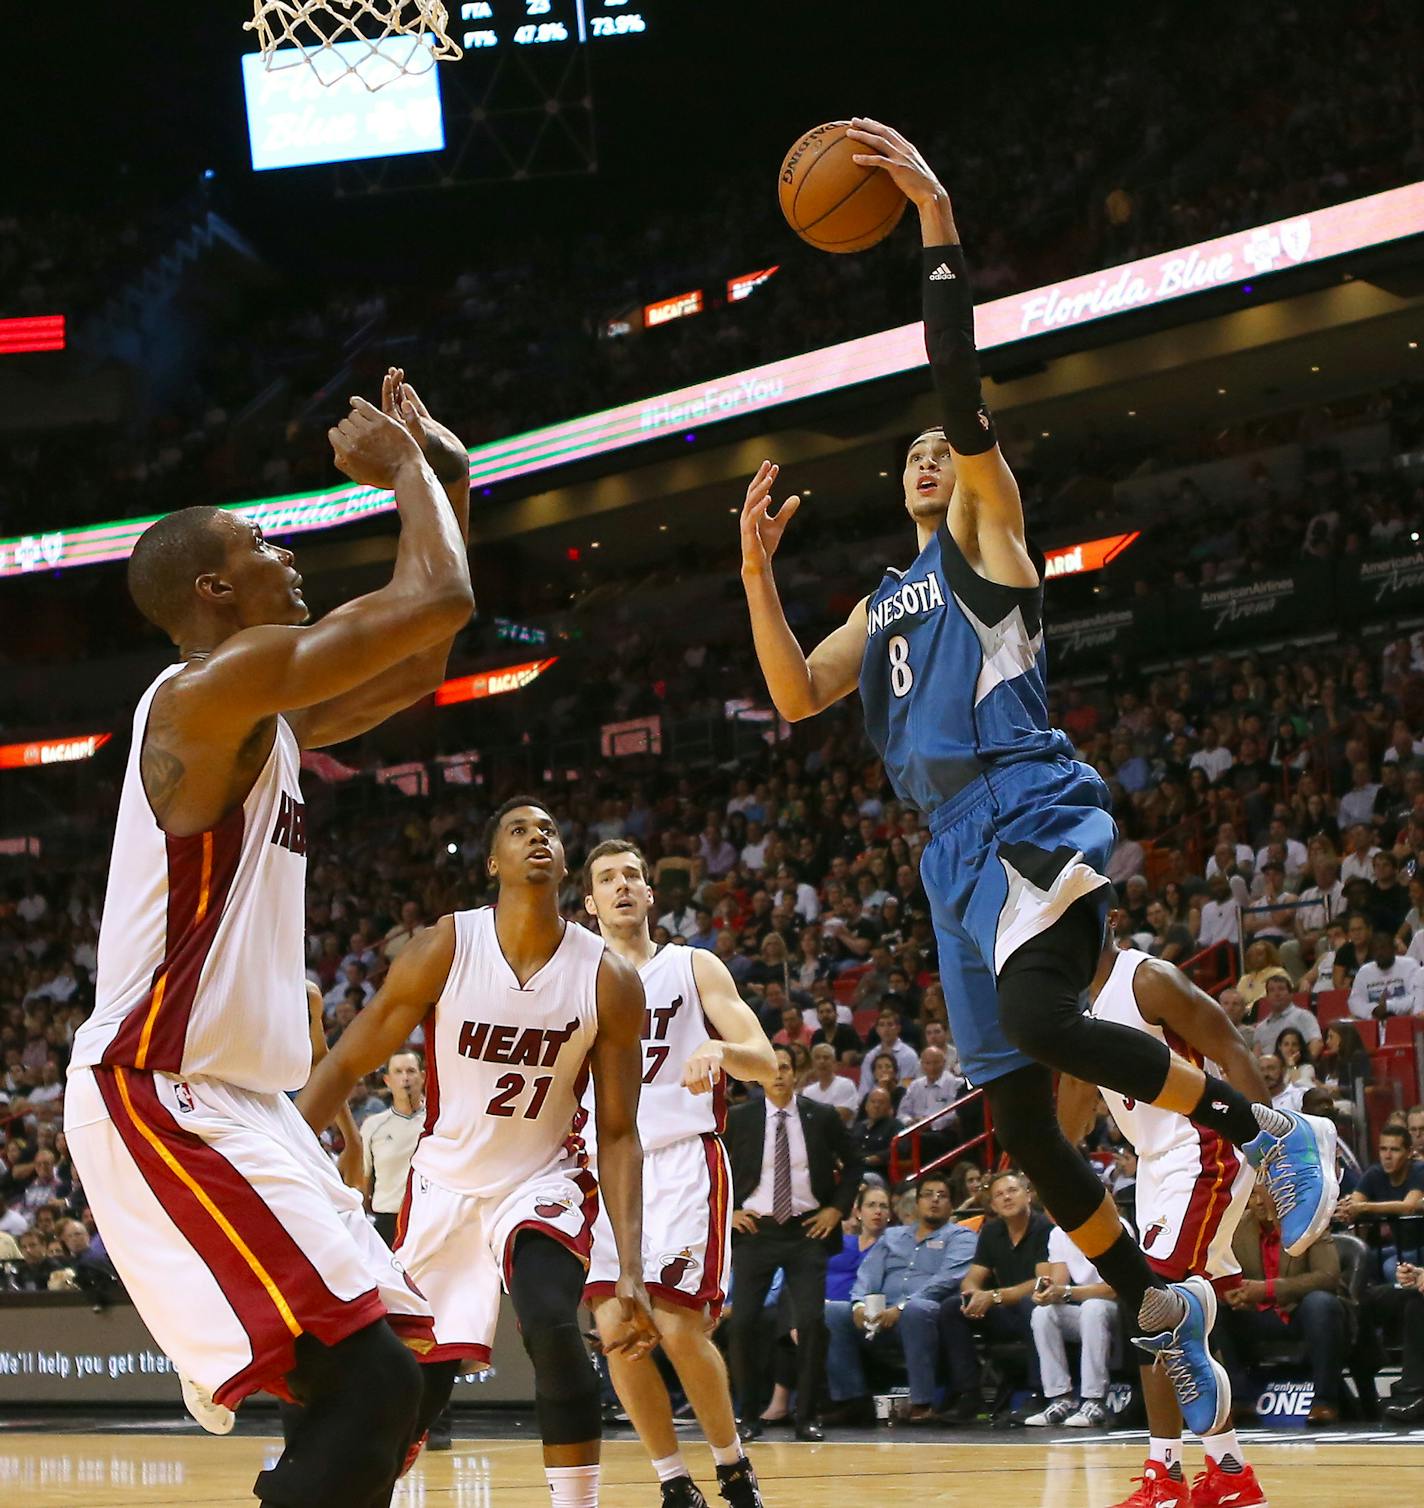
{"x":1330,"y":1005}
{"x":864,"y":1021}
{"x":1398,"y":1031}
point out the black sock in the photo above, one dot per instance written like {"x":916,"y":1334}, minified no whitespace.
{"x":1226,"y":1111}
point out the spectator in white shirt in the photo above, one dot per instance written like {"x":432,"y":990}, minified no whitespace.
{"x":1415,"y":949}
{"x":827,"y":1087}
{"x":1296,"y":857}
{"x":1321,"y":901}
{"x":1212,"y":757}
{"x":887,"y":1024}
{"x":1270,"y":917}
{"x":792,"y":891}
{"x":1387,"y":985}
{"x":680,"y":919}
{"x":31,"y":906}
{"x":1404,"y":748}
{"x":352,"y":977}
{"x":935,"y":1088}
{"x":1235,"y":861}
{"x":1357,"y":805}
{"x":1221,"y":915}
{"x":1275,"y":1011}
{"x":1360,"y":851}
{"x":1283,"y":1096}
{"x":754,"y":850}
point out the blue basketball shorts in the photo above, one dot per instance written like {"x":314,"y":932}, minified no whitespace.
{"x":1007,"y":856}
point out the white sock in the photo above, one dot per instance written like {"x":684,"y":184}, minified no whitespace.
{"x":1224,"y":1449}
{"x":572,"y":1486}
{"x":1162,"y":1309}
{"x":668,"y":1467}
{"x":1169,"y":1453}
{"x":727,"y":1455}
{"x":1272,"y":1122}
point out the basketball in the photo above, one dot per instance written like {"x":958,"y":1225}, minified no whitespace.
{"x":830,"y":201}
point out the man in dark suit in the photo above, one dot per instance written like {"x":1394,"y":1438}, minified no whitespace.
{"x":794,"y":1178}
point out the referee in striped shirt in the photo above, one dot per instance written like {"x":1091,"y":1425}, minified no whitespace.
{"x":388,"y":1139}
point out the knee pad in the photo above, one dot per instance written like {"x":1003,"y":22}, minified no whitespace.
{"x":565,"y":1385}
{"x":1042,"y":983}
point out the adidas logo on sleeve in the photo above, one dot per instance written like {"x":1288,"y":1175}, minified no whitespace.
{"x":942,"y":274}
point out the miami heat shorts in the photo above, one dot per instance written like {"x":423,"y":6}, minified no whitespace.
{"x":458,"y":1247}
{"x":686,"y":1227}
{"x":229,"y":1226}
{"x":1189,"y":1202}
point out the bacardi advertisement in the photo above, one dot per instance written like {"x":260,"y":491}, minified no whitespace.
{"x":473,"y":688}
{"x":45,"y":751}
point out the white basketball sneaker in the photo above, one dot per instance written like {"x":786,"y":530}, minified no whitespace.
{"x":214,"y":1417}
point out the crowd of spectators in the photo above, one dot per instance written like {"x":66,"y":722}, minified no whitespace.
{"x":1107,"y":163}
{"x":1270,"y":807}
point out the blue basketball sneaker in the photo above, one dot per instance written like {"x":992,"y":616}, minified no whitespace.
{"x":1202,"y":1388}
{"x":1299,"y":1165}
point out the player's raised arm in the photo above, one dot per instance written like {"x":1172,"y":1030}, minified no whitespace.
{"x":617,"y":1063}
{"x":405,"y":683}
{"x":743,"y":1051}
{"x":412,"y":985}
{"x":982,"y":475}
{"x":799,"y":686}
{"x":273,"y":668}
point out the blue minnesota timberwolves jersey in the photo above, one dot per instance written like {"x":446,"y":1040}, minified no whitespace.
{"x":954,"y":675}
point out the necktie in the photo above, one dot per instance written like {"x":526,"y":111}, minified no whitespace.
{"x":781,"y":1171}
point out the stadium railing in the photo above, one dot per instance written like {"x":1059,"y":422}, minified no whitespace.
{"x":909,"y":1140}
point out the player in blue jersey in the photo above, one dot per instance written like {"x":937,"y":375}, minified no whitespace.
{"x":949,"y":659}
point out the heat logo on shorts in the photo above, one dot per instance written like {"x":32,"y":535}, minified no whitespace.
{"x":1151,"y":1233}
{"x":551,"y":1206}
{"x":675,"y":1267}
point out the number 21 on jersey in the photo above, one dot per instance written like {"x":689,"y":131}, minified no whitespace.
{"x":901,"y":676}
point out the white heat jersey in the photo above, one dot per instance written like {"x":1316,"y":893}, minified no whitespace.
{"x":201,"y":967}
{"x":1152,"y":1132}
{"x":505,"y":1066}
{"x":674,"y":1027}
{"x":1192,"y":1184}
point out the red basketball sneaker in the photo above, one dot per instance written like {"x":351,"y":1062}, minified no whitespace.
{"x":1158,"y":1490}
{"x":413,"y":1454}
{"x":1215,"y":1488}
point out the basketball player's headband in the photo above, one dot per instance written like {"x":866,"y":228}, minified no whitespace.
{"x":934,"y":429}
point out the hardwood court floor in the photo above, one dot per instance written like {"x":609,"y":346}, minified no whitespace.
{"x":129,"y":1470}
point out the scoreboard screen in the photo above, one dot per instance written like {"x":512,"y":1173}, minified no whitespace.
{"x":480,"y":25}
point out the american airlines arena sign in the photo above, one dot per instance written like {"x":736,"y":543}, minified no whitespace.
{"x":1075,"y":302}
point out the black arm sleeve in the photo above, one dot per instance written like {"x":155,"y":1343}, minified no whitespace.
{"x":949,"y":344}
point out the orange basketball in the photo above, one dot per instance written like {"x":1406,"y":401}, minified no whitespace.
{"x":831,"y":202}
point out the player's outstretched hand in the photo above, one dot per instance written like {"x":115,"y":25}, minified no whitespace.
{"x":703,"y":1070}
{"x":761,"y":529}
{"x":635,"y":1334}
{"x":448,"y":458}
{"x":884,"y":147}
{"x":370,"y":447}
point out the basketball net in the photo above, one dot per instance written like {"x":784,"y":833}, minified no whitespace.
{"x":378,"y":41}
